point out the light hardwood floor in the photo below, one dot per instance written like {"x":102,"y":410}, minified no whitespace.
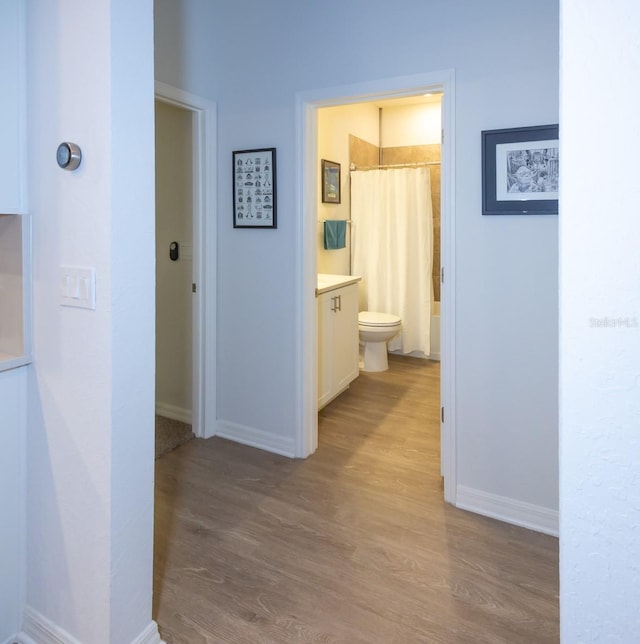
{"x":352,"y":545}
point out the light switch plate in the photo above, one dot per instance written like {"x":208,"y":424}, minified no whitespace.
{"x":78,"y":287}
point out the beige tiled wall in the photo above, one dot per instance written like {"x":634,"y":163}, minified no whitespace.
{"x":363,"y":153}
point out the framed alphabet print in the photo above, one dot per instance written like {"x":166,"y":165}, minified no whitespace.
{"x":520,"y":171}
{"x":254,"y":188}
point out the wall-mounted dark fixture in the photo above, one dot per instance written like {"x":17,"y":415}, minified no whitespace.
{"x":174,"y":251}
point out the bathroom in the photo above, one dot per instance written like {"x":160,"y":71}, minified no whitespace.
{"x":399,"y":132}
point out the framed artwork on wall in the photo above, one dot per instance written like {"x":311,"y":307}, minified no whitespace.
{"x":330,"y":177}
{"x":520,"y":171}
{"x":254,"y":188}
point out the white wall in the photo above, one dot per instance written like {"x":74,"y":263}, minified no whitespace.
{"x":335,"y":124}
{"x":90,"y":396}
{"x":12,"y":382}
{"x":419,"y":124}
{"x":174,"y":364}
{"x":506,"y":271}
{"x":600,"y":324}
{"x":13,"y":387}
{"x":12,"y":107}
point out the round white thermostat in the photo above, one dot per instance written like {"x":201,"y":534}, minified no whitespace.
{"x":69,"y":156}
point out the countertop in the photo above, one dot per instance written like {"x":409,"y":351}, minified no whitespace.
{"x":331,"y":282}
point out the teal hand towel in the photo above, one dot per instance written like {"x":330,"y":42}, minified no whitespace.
{"x":335,"y":234}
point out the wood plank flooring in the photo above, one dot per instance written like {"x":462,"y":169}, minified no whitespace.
{"x":352,"y":545}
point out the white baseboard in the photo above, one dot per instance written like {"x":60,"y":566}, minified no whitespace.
{"x":256,"y":438}
{"x":174,"y":413}
{"x":150,"y":635}
{"x":527,"y":515}
{"x":37,"y":629}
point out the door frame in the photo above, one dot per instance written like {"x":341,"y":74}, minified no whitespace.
{"x":307,"y":105}
{"x":204,"y":410}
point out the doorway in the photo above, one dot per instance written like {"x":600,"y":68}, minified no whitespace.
{"x":186,"y":261}
{"x":174,"y":276}
{"x":308,"y":104}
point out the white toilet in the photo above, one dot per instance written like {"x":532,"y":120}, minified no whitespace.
{"x":375,"y":330}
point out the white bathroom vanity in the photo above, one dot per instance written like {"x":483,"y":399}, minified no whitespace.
{"x":337,"y":305}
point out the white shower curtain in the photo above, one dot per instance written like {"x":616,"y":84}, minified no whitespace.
{"x":392,"y":246}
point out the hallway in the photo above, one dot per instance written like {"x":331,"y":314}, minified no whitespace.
{"x":353,"y":545}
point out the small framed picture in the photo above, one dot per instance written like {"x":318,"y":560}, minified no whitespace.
{"x":330,"y":182}
{"x":520,"y":171}
{"x":254,"y":188}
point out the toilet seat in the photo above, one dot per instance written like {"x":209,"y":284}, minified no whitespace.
{"x":372,"y":319}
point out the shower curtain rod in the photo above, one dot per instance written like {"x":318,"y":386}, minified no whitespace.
{"x":396,"y":165}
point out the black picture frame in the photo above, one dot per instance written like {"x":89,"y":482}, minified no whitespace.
{"x":254,"y":188}
{"x":330,"y":179}
{"x":520,"y":171}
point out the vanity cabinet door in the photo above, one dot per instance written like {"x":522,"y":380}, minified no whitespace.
{"x":325,"y":345}
{"x":337,"y":342}
{"x":12,"y":108}
{"x":345,"y":349}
